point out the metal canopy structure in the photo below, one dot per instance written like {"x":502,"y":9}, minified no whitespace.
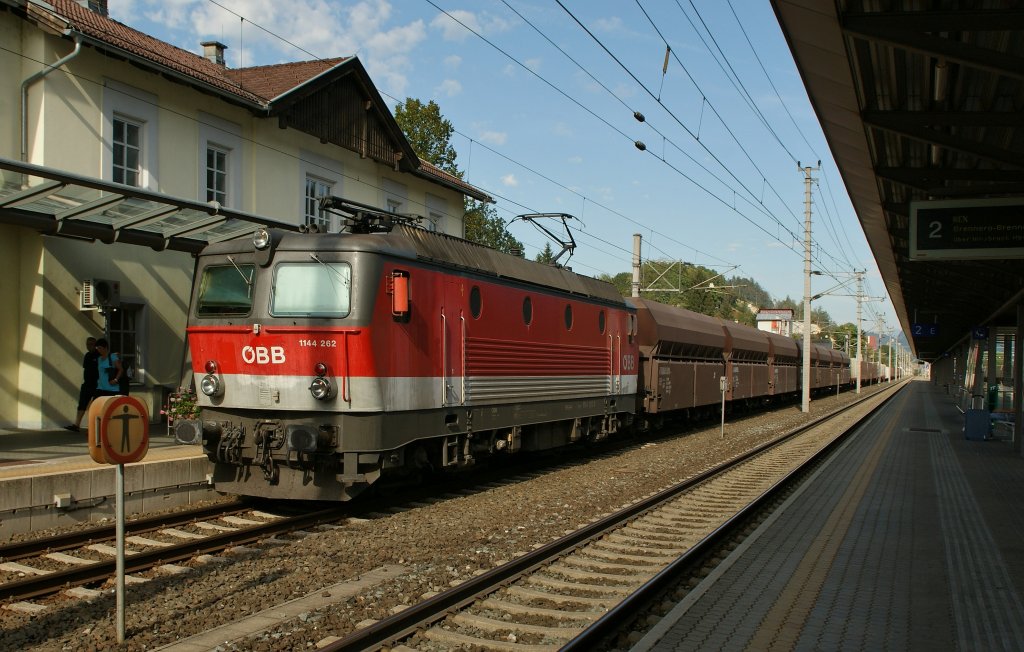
{"x":54,"y":202}
{"x":920,"y":102}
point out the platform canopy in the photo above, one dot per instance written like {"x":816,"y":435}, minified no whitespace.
{"x":921,"y":108}
{"x":54,"y":202}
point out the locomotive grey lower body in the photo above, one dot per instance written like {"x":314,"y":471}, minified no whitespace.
{"x":337,"y":456}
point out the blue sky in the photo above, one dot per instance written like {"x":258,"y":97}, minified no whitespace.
{"x":544,"y":115}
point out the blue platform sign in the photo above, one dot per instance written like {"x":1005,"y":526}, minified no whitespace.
{"x":979,"y":332}
{"x":924,"y":330}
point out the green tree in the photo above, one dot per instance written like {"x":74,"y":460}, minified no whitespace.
{"x":429,"y":133}
{"x":483,"y":226}
{"x":547,"y":255}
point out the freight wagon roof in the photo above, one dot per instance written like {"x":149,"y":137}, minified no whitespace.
{"x":677,"y":325}
{"x":784,"y":346}
{"x":745,"y":338}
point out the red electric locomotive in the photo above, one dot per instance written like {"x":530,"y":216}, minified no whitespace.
{"x":328,"y":361}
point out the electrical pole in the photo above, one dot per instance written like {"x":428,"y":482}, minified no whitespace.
{"x":636,"y":265}
{"x":892,"y":367}
{"x":860,"y":300}
{"x":805,"y":405}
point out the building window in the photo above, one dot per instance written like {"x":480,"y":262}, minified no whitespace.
{"x":122,"y":331}
{"x":433,"y":220}
{"x":315,"y":189}
{"x":395,"y":195}
{"x":127,"y":154}
{"x":216,"y":175}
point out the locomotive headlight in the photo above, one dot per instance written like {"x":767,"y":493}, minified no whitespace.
{"x":261,"y":238}
{"x":211,"y":385}
{"x":321,"y":389}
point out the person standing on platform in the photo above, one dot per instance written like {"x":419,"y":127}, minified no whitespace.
{"x":110,"y":370}
{"x":90,"y":374}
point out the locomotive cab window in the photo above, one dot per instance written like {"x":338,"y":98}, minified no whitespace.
{"x":568,"y":318}
{"x":226,"y":290}
{"x":600,"y":322}
{"x":527,"y":311}
{"x":313,"y":289}
{"x":475,"y":303}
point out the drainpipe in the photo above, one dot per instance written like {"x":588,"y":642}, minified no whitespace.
{"x":33,"y":79}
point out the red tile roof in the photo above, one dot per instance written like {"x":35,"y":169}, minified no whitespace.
{"x":271,"y":81}
{"x":258,"y":84}
{"x":452,"y":180}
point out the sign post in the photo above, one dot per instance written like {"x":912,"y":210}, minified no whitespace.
{"x":118,"y":435}
{"x":723,"y":382}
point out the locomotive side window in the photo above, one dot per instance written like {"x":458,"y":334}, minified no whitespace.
{"x":314,"y":289}
{"x":600,"y":321}
{"x":568,"y":317}
{"x":475,"y":302}
{"x":226,"y":290}
{"x":527,"y":311}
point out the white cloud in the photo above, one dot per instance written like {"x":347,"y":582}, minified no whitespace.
{"x":576,"y":159}
{"x":453,"y":61}
{"x":449,"y":25}
{"x":510,"y":180}
{"x":533,"y":64}
{"x":448,"y":88}
{"x":561,"y":129}
{"x":612,"y":24}
{"x":451,"y":30}
{"x":295,"y":31}
{"x":172,"y":13}
{"x":493,"y":137}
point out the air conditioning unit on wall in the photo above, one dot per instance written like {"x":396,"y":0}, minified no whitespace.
{"x":99,"y":293}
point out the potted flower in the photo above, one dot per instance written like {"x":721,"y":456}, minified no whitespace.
{"x":181,"y":406}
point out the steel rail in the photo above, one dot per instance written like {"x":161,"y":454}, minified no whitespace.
{"x":433,"y":609}
{"x":68,"y":540}
{"x":50,"y":583}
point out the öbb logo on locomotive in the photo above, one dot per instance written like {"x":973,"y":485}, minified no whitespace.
{"x":263,"y":355}
{"x":394,"y":352}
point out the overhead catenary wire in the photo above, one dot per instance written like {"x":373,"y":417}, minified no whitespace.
{"x":671,"y":113}
{"x":527,"y":68}
{"x":668,"y":51}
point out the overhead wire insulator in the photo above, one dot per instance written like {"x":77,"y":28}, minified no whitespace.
{"x":639,"y":116}
{"x":640,"y":145}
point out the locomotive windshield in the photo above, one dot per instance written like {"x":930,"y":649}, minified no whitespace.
{"x":226,"y":290}
{"x":314,"y":289}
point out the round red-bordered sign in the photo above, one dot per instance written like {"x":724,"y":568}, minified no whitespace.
{"x":124,"y":430}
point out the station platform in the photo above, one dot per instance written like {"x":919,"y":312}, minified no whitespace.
{"x":47,"y":479}
{"x":910,"y":537}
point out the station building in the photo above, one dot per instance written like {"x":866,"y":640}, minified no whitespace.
{"x":122,"y":155}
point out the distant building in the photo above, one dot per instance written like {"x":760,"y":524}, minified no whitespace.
{"x":106,"y":102}
{"x":775,"y":320}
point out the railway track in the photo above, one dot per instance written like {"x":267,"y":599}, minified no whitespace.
{"x":571,"y":593}
{"x":42,"y":567}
